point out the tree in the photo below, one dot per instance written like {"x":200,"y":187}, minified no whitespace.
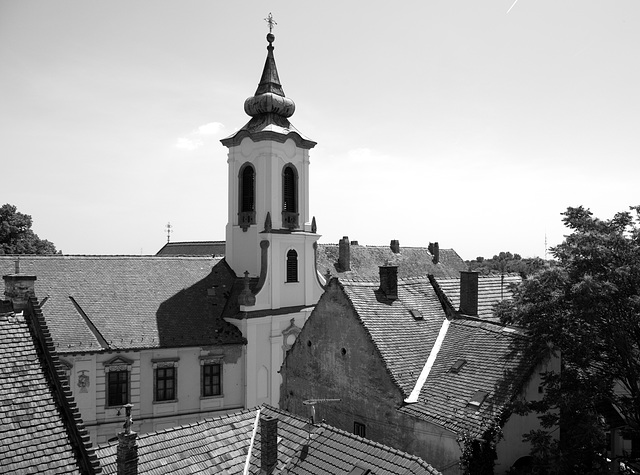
{"x":16,"y":235}
{"x":505,"y":262}
{"x":586,"y":309}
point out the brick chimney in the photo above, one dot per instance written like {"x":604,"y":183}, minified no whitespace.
{"x":268,"y":444}
{"x":434,"y":249}
{"x":469,"y":293}
{"x":389,"y":281}
{"x":395,"y":246}
{"x":127,"y":452}
{"x":18,"y":288}
{"x":344,"y":254}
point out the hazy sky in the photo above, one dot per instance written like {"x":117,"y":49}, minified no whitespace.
{"x":453,"y":121}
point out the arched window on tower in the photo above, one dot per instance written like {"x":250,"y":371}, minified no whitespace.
{"x":290,"y":197}
{"x":247,"y":197}
{"x":292,"y":266}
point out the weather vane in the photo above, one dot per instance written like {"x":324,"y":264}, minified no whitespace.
{"x":271,"y":22}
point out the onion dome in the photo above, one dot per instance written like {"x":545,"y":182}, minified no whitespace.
{"x":269,"y":109}
{"x":269,"y":97}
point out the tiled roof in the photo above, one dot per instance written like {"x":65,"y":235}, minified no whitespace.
{"x":411,"y":261}
{"x":404,"y":342}
{"x":193,"y":248}
{"x":95,"y":303}
{"x":38,"y":431}
{"x":221,"y":445}
{"x":492,"y":361}
{"x":491,"y":290}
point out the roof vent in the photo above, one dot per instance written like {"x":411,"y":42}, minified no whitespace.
{"x":416,"y":314}
{"x":457,"y":366}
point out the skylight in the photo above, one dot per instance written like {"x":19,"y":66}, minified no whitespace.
{"x":478,"y":398}
{"x":458,"y":365}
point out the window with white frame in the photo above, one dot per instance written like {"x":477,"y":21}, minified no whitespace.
{"x":165,"y":380}
{"x":210,"y":376}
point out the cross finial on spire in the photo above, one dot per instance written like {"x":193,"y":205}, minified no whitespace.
{"x":271,"y":22}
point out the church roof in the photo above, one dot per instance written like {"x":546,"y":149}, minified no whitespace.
{"x":411,"y":261}
{"x":220,"y":445}
{"x":405,"y":331}
{"x":269,"y":109}
{"x":104,"y":303}
{"x":38,"y":431}
{"x":193,"y":248}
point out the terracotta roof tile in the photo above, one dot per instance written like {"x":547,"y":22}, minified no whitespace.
{"x":221,"y":445}
{"x":124,"y":302}
{"x":38,"y":433}
{"x":493,"y":361}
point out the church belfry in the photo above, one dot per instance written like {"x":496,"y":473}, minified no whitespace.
{"x":269,"y":230}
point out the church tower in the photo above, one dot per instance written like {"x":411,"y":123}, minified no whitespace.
{"x":271,"y":238}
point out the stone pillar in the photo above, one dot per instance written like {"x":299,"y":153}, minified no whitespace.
{"x":127,"y":453}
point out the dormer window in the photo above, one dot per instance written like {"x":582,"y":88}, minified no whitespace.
{"x":290,"y":197}
{"x":292,"y":266}
{"x":247,"y":197}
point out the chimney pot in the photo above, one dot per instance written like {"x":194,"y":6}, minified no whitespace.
{"x":469,"y":293}
{"x":434,"y":249}
{"x":268,"y":443}
{"x":344,"y":254}
{"x":19,"y":288}
{"x":395,"y":246}
{"x":389,"y":281}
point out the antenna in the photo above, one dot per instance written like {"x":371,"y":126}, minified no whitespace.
{"x":312,"y":406}
{"x":169,"y":229}
{"x":545,"y":245}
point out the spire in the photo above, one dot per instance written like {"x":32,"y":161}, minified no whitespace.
{"x":269,"y":97}
{"x":269,"y":108}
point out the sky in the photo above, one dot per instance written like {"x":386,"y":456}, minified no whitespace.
{"x":471,"y":123}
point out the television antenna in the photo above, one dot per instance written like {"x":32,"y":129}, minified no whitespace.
{"x":312,"y":406}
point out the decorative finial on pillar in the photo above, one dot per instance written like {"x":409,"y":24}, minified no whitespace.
{"x":267,"y":223}
{"x":128,"y":421}
{"x":246,"y":297}
{"x":314,"y":226}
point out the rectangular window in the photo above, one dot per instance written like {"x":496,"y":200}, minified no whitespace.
{"x":359,"y":429}
{"x":165,"y":384}
{"x":117,"y":388}
{"x":211,"y":380}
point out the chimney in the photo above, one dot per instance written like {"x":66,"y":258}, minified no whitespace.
{"x":344,"y":254}
{"x":127,"y":452}
{"x":389,"y":281}
{"x":19,"y":288}
{"x":268,"y":443}
{"x":434,"y":249}
{"x":395,"y":246}
{"x":469,"y":293}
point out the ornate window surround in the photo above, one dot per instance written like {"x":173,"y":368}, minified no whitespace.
{"x":161,"y":363}
{"x":292,"y":330}
{"x":117,"y":363}
{"x":211,"y":360}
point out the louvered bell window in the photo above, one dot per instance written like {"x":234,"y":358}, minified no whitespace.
{"x":248,"y":189}
{"x":292,"y":266}
{"x":289,"y":191}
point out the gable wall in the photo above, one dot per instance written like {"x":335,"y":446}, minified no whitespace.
{"x":360,"y":380}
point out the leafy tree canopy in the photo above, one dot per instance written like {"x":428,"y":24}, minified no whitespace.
{"x":505,"y":262}
{"x":16,"y":235}
{"x":586,"y":309}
